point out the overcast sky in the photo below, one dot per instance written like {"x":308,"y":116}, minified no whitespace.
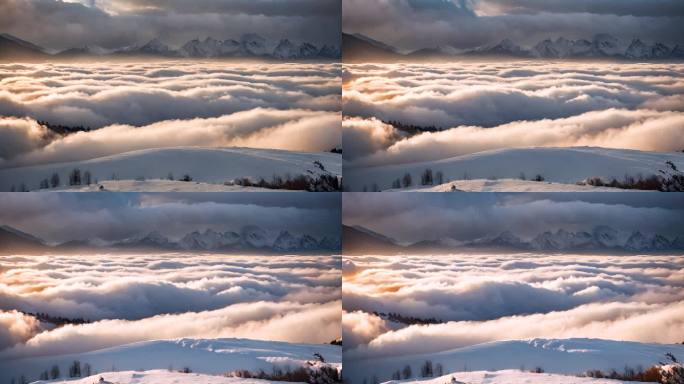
{"x":57,"y":24}
{"x":412,"y":24}
{"x":64,"y":217}
{"x":468,"y":216}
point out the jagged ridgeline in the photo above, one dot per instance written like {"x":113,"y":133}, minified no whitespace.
{"x":250,"y":238}
{"x":249,"y":45}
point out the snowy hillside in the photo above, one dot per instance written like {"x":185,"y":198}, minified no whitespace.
{"x":563,"y":356}
{"x":556,"y":165}
{"x":503,"y":185}
{"x":206,"y":356}
{"x":151,"y":167}
{"x":155,"y":377}
{"x":510,"y":376}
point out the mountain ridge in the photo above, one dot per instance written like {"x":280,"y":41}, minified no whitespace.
{"x":356,"y":47}
{"x":250,"y":238}
{"x":599,"y":239}
{"x":249,"y":45}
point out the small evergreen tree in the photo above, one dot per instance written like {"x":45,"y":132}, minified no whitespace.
{"x":54,"y":180}
{"x":54,"y":372}
{"x":406,"y":180}
{"x":75,"y":177}
{"x":75,"y":369}
{"x":406,"y":372}
{"x":426,"y":177}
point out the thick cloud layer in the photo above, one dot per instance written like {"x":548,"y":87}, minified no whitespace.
{"x":114,"y":217}
{"x":15,"y":327}
{"x":58,"y":25}
{"x":143,"y":297}
{"x":484,"y":106}
{"x":482,"y":298}
{"x":153,"y":105}
{"x":411,"y":25}
{"x":408,"y":218}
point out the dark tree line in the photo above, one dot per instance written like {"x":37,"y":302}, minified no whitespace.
{"x":58,"y":320}
{"x":412,"y":128}
{"x":322,"y":183}
{"x":408,"y":320}
{"x":64,"y":129}
{"x":670,"y":179}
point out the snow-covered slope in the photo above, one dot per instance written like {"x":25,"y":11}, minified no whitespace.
{"x":207,"y":356}
{"x":559,"y":165}
{"x":503,"y":185}
{"x":205,"y":165}
{"x":564,"y":356}
{"x":156,"y":377}
{"x":511,"y":376}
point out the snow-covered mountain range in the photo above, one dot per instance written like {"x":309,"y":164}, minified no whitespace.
{"x":248,"y":238}
{"x":600,"y":238}
{"x":598,"y":46}
{"x":249,"y":45}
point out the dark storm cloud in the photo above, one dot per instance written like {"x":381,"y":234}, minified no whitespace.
{"x":57,"y":24}
{"x":637,"y":8}
{"x":467,"y":24}
{"x":412,"y":218}
{"x":118,"y":216}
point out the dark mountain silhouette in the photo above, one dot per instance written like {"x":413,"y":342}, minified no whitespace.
{"x":358,"y":48}
{"x":12,"y":47}
{"x":359,"y":240}
{"x":13,"y":240}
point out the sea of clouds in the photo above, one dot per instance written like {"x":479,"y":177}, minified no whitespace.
{"x":140,"y":105}
{"x":492,"y":105}
{"x":482,"y":298}
{"x":138,"y":297}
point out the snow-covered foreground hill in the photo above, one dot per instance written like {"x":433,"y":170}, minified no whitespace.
{"x":204,"y":165}
{"x":562,"y":356}
{"x":206,"y":356}
{"x":510,"y":376}
{"x":563,"y":167}
{"x":156,"y":377}
{"x":504,"y":185}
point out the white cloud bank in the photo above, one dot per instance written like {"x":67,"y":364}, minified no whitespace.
{"x":483,"y":106}
{"x":152,"y":296}
{"x":133,"y":106}
{"x":481,"y":298}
